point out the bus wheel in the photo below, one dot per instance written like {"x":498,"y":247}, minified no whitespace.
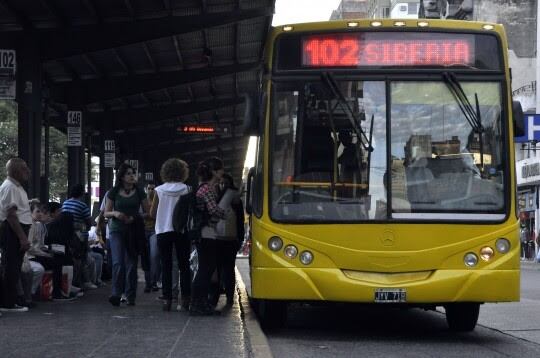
{"x":462,"y":317}
{"x":272,"y":313}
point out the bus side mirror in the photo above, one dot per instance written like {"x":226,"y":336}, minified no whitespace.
{"x":251,"y":115}
{"x":518,"y":118}
{"x":249,"y":191}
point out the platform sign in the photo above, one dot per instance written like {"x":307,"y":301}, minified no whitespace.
{"x":109,"y":146}
{"x":8,"y":66}
{"x":109,"y":159}
{"x":74,"y":128}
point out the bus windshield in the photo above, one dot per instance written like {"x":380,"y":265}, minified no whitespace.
{"x":338,"y":156}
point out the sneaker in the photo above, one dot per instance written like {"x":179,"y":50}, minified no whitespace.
{"x":62,"y":298}
{"x":123,"y":299}
{"x":89,"y":286}
{"x":204,"y":310}
{"x":114,"y":300}
{"x":78,"y":294}
{"x":15,"y":308}
{"x":155,"y":288}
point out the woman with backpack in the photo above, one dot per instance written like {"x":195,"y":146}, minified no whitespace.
{"x":210,"y":172}
{"x":126,"y":230}
{"x":230,"y":233}
{"x":173,"y":174}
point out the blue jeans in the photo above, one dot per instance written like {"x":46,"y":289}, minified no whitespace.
{"x":124,"y":268}
{"x":154,"y":275}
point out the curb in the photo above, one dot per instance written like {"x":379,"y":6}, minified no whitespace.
{"x":257,"y":342}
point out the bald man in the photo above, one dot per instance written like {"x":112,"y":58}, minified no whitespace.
{"x":15,"y":221}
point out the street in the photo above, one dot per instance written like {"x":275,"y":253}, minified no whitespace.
{"x":504,"y":330}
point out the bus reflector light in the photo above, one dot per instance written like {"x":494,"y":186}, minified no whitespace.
{"x":290,"y":251}
{"x":502,"y":245}
{"x":470,"y":259}
{"x":422,"y":24}
{"x":488,"y":27}
{"x":275,"y":243}
{"x":486,"y":253}
{"x":306,"y":257}
{"x":376,"y":23}
{"x":287,"y":28}
{"x":353,"y":24}
{"x":399,"y":23}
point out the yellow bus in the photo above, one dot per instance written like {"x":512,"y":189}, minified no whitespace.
{"x":385,"y":168}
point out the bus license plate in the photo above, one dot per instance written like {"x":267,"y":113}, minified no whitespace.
{"x":390,"y":295}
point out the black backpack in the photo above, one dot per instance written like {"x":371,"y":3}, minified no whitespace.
{"x":187,"y":219}
{"x":182,"y":212}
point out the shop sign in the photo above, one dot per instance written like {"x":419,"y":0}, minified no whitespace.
{"x":528,"y":171}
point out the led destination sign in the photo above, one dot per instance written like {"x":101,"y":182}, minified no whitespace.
{"x":358,"y":50}
{"x":373,"y":50}
{"x":203,"y":129}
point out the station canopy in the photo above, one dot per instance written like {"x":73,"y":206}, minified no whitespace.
{"x":145,"y":68}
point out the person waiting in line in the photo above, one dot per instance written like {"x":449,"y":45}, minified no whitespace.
{"x":230,"y":236}
{"x":173,"y":174}
{"x":126,"y":233}
{"x":39,"y":252}
{"x":209,"y":172}
{"x":15,"y":222}
{"x":84,"y":264}
{"x":153,"y":272}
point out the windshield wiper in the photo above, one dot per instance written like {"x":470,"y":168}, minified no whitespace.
{"x":330,"y":82}
{"x":472,"y":115}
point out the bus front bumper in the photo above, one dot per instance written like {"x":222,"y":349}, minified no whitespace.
{"x":320,"y":284}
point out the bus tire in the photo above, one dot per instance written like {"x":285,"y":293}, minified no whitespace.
{"x":272,"y":313}
{"x":462,"y":317}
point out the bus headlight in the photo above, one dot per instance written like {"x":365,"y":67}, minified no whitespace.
{"x":502,"y":245}
{"x":486,"y":253}
{"x":290,"y":251}
{"x":275,"y":243}
{"x":306,"y":257}
{"x":470,"y":259}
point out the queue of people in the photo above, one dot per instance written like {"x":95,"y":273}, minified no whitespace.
{"x":165,"y":226}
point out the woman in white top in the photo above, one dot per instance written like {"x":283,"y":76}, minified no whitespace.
{"x":173,"y":174}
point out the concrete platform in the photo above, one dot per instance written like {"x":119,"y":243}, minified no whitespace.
{"x":91,"y":327}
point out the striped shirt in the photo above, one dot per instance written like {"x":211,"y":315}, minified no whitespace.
{"x":79,"y":210}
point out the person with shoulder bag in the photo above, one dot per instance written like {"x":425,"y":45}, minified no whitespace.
{"x":230,"y":236}
{"x":126,"y":233}
{"x":173,"y":174}
{"x":210,"y":172}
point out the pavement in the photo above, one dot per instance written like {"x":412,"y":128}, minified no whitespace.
{"x":91,"y":327}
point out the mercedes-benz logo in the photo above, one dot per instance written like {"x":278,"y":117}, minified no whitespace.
{"x":388,"y":238}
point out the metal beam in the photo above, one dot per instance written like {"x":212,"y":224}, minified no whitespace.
{"x":191,"y":146}
{"x":98,"y":90}
{"x":142,"y":117}
{"x":57,"y":43}
{"x":21,"y":18}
